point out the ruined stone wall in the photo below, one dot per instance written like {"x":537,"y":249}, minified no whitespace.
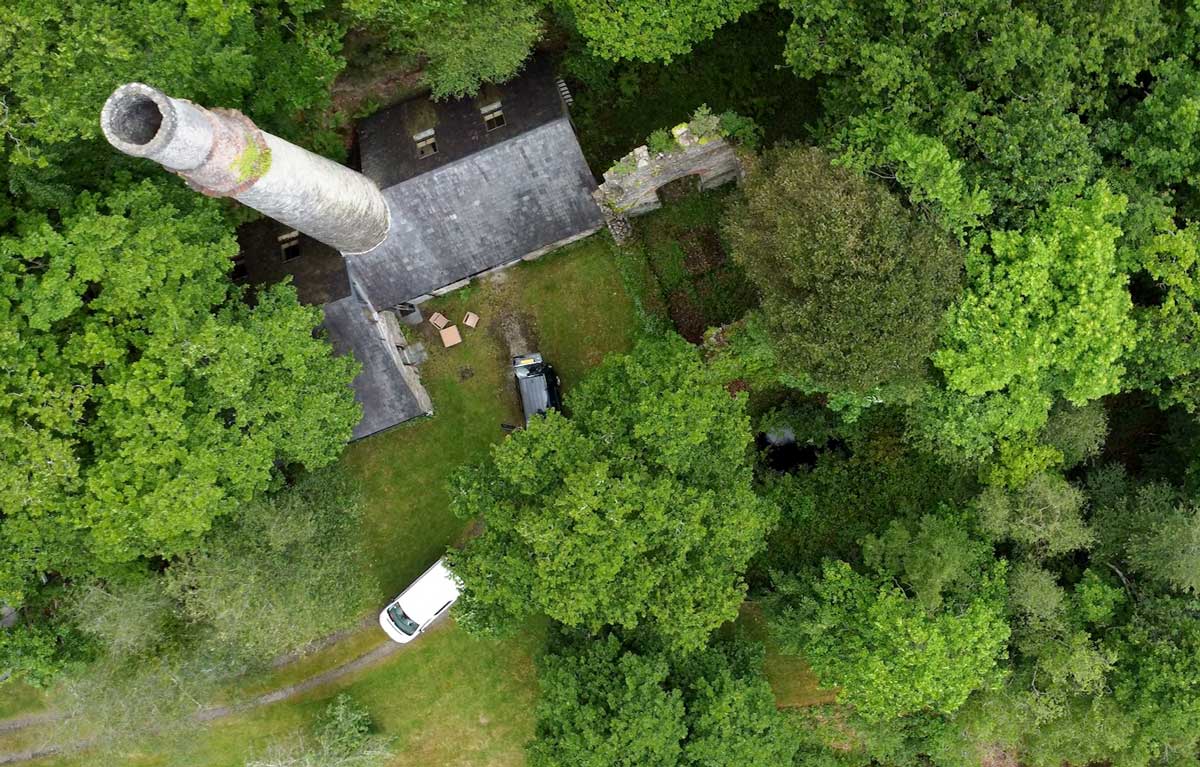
{"x":631,"y":186}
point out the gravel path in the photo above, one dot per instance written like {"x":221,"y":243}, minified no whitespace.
{"x":30,"y":720}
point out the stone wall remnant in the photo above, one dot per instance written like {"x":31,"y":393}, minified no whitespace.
{"x":631,"y":186}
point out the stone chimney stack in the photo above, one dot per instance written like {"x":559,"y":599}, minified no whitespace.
{"x":221,"y":153}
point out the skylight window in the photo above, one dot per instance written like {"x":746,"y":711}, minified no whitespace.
{"x":493,"y":116}
{"x":426,"y":143}
{"x":289,"y":245}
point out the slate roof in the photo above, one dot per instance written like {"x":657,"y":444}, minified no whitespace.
{"x":383,"y":393}
{"x":484,"y":210}
{"x":385,"y":139}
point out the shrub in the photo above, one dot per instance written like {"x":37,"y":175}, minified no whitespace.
{"x":741,"y":130}
{"x":704,"y":124}
{"x":344,"y":727}
{"x":662,"y":142}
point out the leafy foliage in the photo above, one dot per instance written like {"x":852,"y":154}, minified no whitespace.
{"x":1011,"y":90}
{"x":343,"y":739}
{"x":285,"y":570}
{"x":271,"y":58}
{"x":1044,"y":517}
{"x":1047,"y":315}
{"x":464,"y":43}
{"x":646,"y":30}
{"x":853,"y":286}
{"x":605,"y":704}
{"x":636,"y":512}
{"x":888,"y":654}
{"x":142,"y":398}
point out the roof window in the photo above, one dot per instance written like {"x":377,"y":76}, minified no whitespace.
{"x":493,"y":116}
{"x":426,"y":143}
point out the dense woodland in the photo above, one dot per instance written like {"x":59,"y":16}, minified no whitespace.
{"x":969,"y":229}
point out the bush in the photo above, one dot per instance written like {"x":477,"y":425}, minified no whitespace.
{"x":286,"y":571}
{"x":741,"y":130}
{"x":662,"y":142}
{"x":344,"y":727}
{"x":343,"y":739}
{"x":704,"y":124}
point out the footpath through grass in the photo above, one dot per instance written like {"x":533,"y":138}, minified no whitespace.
{"x":448,"y":699}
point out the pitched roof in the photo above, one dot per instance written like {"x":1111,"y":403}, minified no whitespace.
{"x":481,"y":211}
{"x":385,"y":396}
{"x":385,"y":139}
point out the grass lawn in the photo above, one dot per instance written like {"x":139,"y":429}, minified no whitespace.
{"x":794,"y":683}
{"x":570,"y":305}
{"x":449,"y":700}
{"x":17,"y":699}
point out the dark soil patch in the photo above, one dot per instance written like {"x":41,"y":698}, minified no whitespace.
{"x":515,"y":330}
{"x":680,"y":188}
{"x":687,"y":316}
{"x":465,"y":374}
{"x":702,"y":251}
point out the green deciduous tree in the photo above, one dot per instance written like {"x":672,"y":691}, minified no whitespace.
{"x":271,"y":58}
{"x":1169,"y":550}
{"x":142,"y":398}
{"x":636,"y":512}
{"x":1013,"y":90}
{"x":933,"y":556}
{"x":1047,"y":315}
{"x":1166,"y":360}
{"x":646,"y":30}
{"x":888,"y":654}
{"x":602,"y":705}
{"x":285,"y":570}
{"x":464,"y":43}
{"x":1160,"y":139}
{"x":282,"y":572}
{"x":1044,"y":517}
{"x":854,"y":286}
{"x":605,"y":704}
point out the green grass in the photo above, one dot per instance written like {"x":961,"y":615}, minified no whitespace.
{"x":793,"y":682}
{"x":17,"y":699}
{"x":571,"y":306}
{"x":449,"y":699}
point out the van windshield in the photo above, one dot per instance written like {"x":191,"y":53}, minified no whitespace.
{"x":402,"y":621}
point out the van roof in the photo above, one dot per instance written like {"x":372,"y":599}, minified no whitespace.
{"x":431,"y":592}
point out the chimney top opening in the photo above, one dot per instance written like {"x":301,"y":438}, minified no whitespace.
{"x":136,"y":119}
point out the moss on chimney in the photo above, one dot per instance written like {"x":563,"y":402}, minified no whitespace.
{"x":253,"y":162}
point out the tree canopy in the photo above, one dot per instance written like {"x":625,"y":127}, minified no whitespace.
{"x":636,"y":512}
{"x":647,"y":30}
{"x":463,"y":43}
{"x":608,"y":704}
{"x":143,"y":398}
{"x":854,"y":286}
{"x":892,"y":654}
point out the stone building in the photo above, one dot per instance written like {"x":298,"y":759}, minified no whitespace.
{"x":448,"y":191}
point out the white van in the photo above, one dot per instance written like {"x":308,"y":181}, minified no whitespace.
{"x":423,"y":601}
